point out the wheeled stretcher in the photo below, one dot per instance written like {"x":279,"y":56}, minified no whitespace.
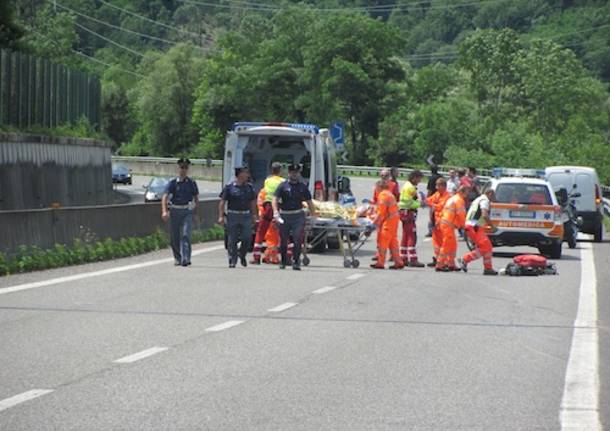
{"x":351,"y":236}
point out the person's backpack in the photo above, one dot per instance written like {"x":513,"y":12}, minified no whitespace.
{"x":530,"y":264}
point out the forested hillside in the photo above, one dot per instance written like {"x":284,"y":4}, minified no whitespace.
{"x":489,"y":82}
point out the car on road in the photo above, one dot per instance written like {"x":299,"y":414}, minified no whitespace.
{"x":121,"y":174}
{"x":584,"y":182}
{"x":155,"y":189}
{"x":526,"y":212}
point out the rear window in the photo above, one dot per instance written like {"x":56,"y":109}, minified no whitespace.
{"x":517,"y":193}
{"x":561,"y":179}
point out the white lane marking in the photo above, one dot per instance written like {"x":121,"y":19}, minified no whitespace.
{"x":579,"y":405}
{"x":140,"y":355}
{"x":225,"y":325}
{"x":356,"y":276}
{"x":23,"y":397}
{"x":282,"y":307}
{"x":427,"y":239}
{"x":75,"y":277}
{"x":324,"y":290}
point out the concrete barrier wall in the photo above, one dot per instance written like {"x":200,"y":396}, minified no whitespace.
{"x":170,"y":168}
{"x":40,"y":171}
{"x":47,"y":227}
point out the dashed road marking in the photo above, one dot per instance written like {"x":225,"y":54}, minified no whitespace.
{"x":225,"y":325}
{"x":356,"y":276}
{"x":580,"y":401}
{"x":75,"y":277}
{"x":140,"y":355}
{"x":324,"y":290}
{"x":282,"y":307}
{"x":23,"y":397}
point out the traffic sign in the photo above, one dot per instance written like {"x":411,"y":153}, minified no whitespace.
{"x":337,"y":133}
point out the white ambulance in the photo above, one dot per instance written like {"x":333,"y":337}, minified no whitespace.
{"x":525,"y":211}
{"x":258,"y":145}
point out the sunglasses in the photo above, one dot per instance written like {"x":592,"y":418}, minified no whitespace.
{"x":184,"y":167}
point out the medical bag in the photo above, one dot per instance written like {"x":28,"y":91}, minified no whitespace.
{"x":530,"y":264}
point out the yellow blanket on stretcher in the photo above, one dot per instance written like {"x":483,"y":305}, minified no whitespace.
{"x":334,"y":210}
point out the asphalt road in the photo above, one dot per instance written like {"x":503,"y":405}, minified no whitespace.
{"x":326,"y":348}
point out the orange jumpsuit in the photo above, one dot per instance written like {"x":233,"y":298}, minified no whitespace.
{"x":453,"y":217}
{"x":272,"y":237}
{"x":437,"y":202}
{"x":475,"y":229}
{"x":387,"y":234}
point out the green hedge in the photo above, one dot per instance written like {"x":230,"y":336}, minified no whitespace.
{"x":32,"y":258}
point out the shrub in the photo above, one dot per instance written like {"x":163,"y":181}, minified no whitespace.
{"x":87,"y":249}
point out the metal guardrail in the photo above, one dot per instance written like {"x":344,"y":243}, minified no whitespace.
{"x":606,"y":203}
{"x":165,"y":160}
{"x":372,"y":171}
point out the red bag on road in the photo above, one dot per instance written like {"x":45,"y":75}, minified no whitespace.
{"x":531,"y":260}
{"x":530,"y":264}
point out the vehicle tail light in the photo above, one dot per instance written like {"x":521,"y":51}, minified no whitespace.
{"x":319,"y":190}
{"x":598,"y":197}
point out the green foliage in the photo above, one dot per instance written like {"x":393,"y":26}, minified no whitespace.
{"x":337,"y":67}
{"x":81,"y":129}
{"x":10,"y":31}
{"x":52,"y":35}
{"x":164,"y":100}
{"x":91,"y":250}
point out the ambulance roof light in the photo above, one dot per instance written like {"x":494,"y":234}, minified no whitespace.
{"x":244,"y":125}
{"x":517,"y":172}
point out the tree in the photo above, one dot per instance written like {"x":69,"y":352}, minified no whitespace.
{"x":489,"y":56}
{"x":164,"y":100}
{"x":347,"y":68}
{"x":10,"y":31}
{"x":52,"y":35}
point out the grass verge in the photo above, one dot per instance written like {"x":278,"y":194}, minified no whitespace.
{"x":32,"y":258}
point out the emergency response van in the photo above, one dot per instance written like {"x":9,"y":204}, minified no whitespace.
{"x":584,"y":181}
{"x":526,"y":212}
{"x":258,"y":145}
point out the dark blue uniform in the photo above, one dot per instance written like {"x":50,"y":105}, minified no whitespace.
{"x":239,"y":218}
{"x":291,"y":196}
{"x":182,"y":202}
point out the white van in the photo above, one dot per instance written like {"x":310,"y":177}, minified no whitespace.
{"x":589,"y":204}
{"x":257,"y":145}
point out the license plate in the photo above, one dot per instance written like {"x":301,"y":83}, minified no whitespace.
{"x":522,"y":214}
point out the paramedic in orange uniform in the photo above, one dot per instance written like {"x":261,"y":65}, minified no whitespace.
{"x":387,"y":227}
{"x":386,"y":177}
{"x":453,"y":217}
{"x":477,"y":220}
{"x":437,"y":202}
{"x":271,"y":184}
{"x":272,"y":237}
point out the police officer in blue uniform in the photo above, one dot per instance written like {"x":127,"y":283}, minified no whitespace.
{"x":240,"y":200}
{"x":288,"y":212}
{"x":182,"y":197}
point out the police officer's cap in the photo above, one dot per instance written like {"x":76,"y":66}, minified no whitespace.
{"x":292,"y":168}
{"x":276,"y":165}
{"x":184,"y":161}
